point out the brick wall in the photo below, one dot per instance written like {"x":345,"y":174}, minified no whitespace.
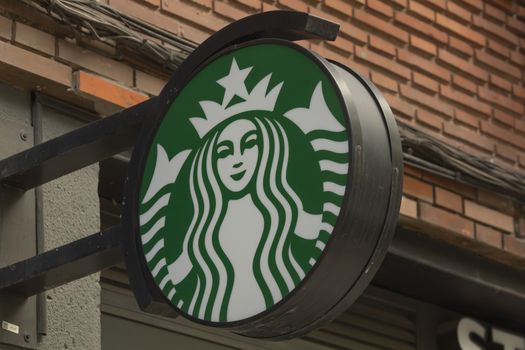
{"x":452,"y":68}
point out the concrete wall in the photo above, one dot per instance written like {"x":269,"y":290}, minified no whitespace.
{"x":71,"y":211}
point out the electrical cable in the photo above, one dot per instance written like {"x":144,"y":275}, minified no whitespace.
{"x":89,"y":18}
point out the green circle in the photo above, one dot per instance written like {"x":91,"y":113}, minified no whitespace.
{"x":210,"y":248}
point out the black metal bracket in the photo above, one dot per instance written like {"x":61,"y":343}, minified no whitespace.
{"x":75,"y":150}
{"x":106,"y":137}
{"x":63,"y":264}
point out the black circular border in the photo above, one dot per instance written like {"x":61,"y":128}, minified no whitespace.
{"x":265,"y":324}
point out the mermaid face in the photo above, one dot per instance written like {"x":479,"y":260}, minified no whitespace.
{"x":237,"y":153}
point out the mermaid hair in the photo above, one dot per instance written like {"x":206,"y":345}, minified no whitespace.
{"x":275,"y":268}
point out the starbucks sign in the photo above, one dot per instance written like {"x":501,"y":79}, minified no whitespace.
{"x":250,"y":205}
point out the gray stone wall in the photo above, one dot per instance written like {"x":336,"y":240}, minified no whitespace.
{"x":71,"y":211}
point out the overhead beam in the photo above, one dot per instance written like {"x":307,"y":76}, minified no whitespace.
{"x":72,"y":151}
{"x":63,"y":264}
{"x":437,"y":272}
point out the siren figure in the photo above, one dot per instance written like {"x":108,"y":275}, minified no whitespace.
{"x":238,"y":245}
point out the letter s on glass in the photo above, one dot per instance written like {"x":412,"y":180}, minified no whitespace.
{"x":466,"y":327}
{"x":509,"y":341}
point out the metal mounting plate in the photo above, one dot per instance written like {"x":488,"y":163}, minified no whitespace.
{"x":17,"y":221}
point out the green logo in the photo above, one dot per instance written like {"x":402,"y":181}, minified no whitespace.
{"x":244,"y":182}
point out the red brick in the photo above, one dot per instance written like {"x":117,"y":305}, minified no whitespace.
{"x":381,"y":45}
{"x":514,"y":245}
{"x":465,"y":100}
{"x":475,"y":5}
{"x":340,"y":6}
{"x":422,"y":11}
{"x":463,"y":65}
{"x":34,"y":39}
{"x":408,"y":207}
{"x":463,"y":83}
{"x":489,"y":216}
{"x":451,"y":185}
{"x":193,"y":33}
{"x":331,"y":53}
{"x":354,"y":33}
{"x":507,"y":153}
{"x":517,"y":58}
{"x":425,"y":82}
{"x":269,"y":7}
{"x":146,"y":14}
{"x":507,"y":6}
{"x":423,"y":45}
{"x":518,"y":91}
{"x":197,"y":15}
{"x":256,"y":4}
{"x":400,"y":107}
{"x":81,"y":57}
{"x":381,"y":25}
{"x":421,"y":27}
{"x":516,"y":25}
{"x":380,"y":7}
{"x":412,"y":171}
{"x":461,"y":46}
{"x":384,"y":82}
{"x":426,"y":100}
{"x":382,"y":62}
{"x":438,"y":4}
{"x":503,"y":134}
{"x":446,"y":219}
{"x":347,"y":29}
{"x":499,"y":82}
{"x":504,"y":118}
{"x":459,"y":12}
{"x":429,"y":119}
{"x":423,"y":64}
{"x":106,"y":90}
{"x":401,"y":3}
{"x":489,"y":236}
{"x":148,"y":83}
{"x":461,"y":30}
{"x":521,"y":11}
{"x":204,"y":3}
{"x":520,"y":125}
{"x":466,"y":118}
{"x":497,"y":30}
{"x":522,"y":161}
{"x":495,"y":13}
{"x":361,"y":69}
{"x":498,"y":64}
{"x":296,"y":5}
{"x":17,"y":58}
{"x":228,"y":11}
{"x":342,"y":44}
{"x":468,"y":136}
{"x":501,"y":100}
{"x":498,"y":49}
{"x":153,"y":3}
{"x":418,"y":189}
{"x":449,"y":200}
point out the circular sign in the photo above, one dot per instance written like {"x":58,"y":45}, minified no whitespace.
{"x":262,"y":201}
{"x":243,"y":183}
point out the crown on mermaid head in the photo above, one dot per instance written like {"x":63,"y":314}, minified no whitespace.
{"x":257,"y":100}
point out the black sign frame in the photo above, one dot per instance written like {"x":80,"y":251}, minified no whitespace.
{"x":336,"y":281}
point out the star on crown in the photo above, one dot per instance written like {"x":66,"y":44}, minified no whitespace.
{"x":257,"y":100}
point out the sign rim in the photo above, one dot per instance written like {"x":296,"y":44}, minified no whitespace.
{"x":146,"y":146}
